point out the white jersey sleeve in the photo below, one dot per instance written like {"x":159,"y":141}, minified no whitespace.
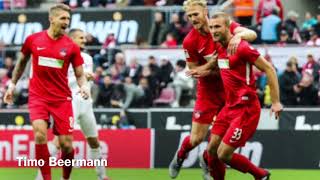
{"x":87,"y":68}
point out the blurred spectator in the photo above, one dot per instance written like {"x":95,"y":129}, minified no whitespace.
{"x":187,"y":26}
{"x":311,"y":67}
{"x":119,"y":70}
{"x":170,"y":41}
{"x":147,"y":99}
{"x":288,"y":81}
{"x":92,"y":41}
{"x":291,"y":26}
{"x":314,"y":39}
{"x":105,"y":92}
{"x":307,"y":26}
{"x":165,"y":71}
{"x":133,"y":94}
{"x":4,"y":81}
{"x":180,"y":82}
{"x":243,"y":10}
{"x":152,"y":80}
{"x":158,"y":30}
{"x":135,"y":70}
{"x":316,"y":27}
{"x":265,"y":8}
{"x":284,"y":39}
{"x":308,"y":93}
{"x":110,"y":41}
{"x":176,"y":28}
{"x":8,"y":64}
{"x":115,"y":75}
{"x":153,"y":65}
{"x":98,"y":76}
{"x":270,"y":28}
{"x":103,"y":57}
{"x":308,"y":22}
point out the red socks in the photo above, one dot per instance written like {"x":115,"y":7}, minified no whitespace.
{"x":67,"y":169}
{"x":185,"y":148}
{"x":42,"y":152}
{"x":216,"y":167}
{"x":241,"y":163}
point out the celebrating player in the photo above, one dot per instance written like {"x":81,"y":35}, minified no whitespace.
{"x":82,"y":108}
{"x":238,"y":119}
{"x":52,"y":53}
{"x":199,"y":48}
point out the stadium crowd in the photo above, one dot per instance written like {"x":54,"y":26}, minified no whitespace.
{"x":118,"y":84}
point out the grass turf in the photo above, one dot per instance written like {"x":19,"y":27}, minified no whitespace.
{"x":155,"y":174}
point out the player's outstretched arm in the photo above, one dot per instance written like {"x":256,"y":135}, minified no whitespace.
{"x":16,"y":75}
{"x":263,"y":65}
{"x":82,"y":82}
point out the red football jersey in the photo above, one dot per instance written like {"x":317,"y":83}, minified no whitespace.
{"x":50,"y":62}
{"x":236,"y":72}
{"x":199,"y":49}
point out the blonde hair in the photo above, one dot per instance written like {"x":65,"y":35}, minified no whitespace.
{"x":188,"y":3}
{"x":59,"y":7}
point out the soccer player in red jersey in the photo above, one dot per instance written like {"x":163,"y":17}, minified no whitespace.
{"x":238,"y":119}
{"x":199,"y":48}
{"x":49,"y":94}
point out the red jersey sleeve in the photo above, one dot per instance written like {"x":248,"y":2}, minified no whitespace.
{"x":76,"y":58}
{"x":233,"y":26}
{"x":26,"y":47}
{"x":248,"y":53}
{"x":189,"y":52}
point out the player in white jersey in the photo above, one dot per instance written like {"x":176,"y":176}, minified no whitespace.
{"x":82,"y":109}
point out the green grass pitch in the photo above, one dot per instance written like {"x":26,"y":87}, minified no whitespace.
{"x":155,"y":174}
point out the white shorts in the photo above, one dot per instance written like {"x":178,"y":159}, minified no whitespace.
{"x":83,"y":115}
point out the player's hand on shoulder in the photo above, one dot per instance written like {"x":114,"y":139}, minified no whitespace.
{"x":8,"y":97}
{"x":276,"y":108}
{"x":84,"y":91}
{"x":233,"y":45}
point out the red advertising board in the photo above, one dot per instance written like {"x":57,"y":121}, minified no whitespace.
{"x":122,"y":148}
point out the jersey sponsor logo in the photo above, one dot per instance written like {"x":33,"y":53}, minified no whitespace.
{"x":63,"y":52}
{"x":40,"y":48}
{"x":223,"y":63}
{"x":186,"y":53}
{"x":236,"y":135}
{"x":50,"y":62}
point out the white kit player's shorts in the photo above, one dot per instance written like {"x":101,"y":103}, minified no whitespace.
{"x":83,"y":114}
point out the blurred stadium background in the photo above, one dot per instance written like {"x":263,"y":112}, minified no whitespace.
{"x":136,"y":46}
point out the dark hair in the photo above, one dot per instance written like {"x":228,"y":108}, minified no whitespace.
{"x":181,"y":63}
{"x":74,"y":30}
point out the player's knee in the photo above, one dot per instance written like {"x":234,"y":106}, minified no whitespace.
{"x":196,"y":140}
{"x":93,"y":143}
{"x":224,"y":156}
{"x":212,"y":149}
{"x":66,"y":146}
{"x":40,"y":137}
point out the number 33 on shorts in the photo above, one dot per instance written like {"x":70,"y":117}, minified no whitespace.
{"x":236,"y":135}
